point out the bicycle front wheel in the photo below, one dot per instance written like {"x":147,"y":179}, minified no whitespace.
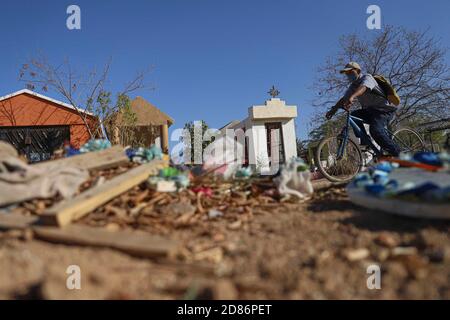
{"x":335,"y":169}
{"x":408,"y":140}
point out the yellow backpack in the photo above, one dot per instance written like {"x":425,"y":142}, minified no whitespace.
{"x":389,"y":91}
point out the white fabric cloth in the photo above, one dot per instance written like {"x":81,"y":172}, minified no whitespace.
{"x":21,"y":182}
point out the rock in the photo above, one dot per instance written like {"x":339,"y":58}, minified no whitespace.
{"x":429,"y":238}
{"x":403,"y":251}
{"x":356,"y":254}
{"x":214,"y":255}
{"x":178,"y":209}
{"x":225,"y":290}
{"x":224,"y":269}
{"x":383,"y":254}
{"x":218,"y":237}
{"x":396,"y":269}
{"x":386,"y":240}
{"x":437,"y":255}
{"x":415,"y":265}
{"x":213,"y":213}
{"x":184,"y":219}
{"x":235,"y":225}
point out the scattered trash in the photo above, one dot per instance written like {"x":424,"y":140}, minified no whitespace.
{"x":95,"y":145}
{"x":378,"y":182}
{"x":71,"y":151}
{"x":166,"y":186}
{"x":430,"y":158}
{"x":144,"y":155}
{"x":295,"y":179}
{"x":213,"y":213}
{"x":244,"y":172}
{"x":223,"y":164}
{"x":169,"y":172}
{"x":170,"y":179}
{"x":203,"y":190}
{"x":409,"y":189}
{"x":182,"y":181}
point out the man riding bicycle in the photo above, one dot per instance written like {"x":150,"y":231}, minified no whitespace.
{"x":376,"y":110}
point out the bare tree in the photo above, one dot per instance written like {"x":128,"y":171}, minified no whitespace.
{"x":87,"y":92}
{"x":414,"y":63}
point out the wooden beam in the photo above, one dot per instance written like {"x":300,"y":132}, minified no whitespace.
{"x":70,"y":210}
{"x":98,"y":160}
{"x":16,"y":221}
{"x":165,"y":138}
{"x":135,"y":243}
{"x":322,"y":184}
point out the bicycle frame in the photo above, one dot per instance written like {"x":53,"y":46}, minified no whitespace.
{"x":362,"y":134}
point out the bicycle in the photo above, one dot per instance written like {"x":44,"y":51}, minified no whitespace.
{"x":340,"y":158}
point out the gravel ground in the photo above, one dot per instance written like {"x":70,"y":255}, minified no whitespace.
{"x":318,"y":249}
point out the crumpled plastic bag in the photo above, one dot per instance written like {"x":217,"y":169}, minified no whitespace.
{"x":224,"y":161}
{"x":95,"y":145}
{"x":21,"y":182}
{"x":295,"y":179}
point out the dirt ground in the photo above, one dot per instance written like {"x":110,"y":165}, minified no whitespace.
{"x":318,"y":249}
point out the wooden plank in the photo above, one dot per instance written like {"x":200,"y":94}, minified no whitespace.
{"x":70,"y":210}
{"x":322,"y":184}
{"x":16,"y":221}
{"x":98,"y":160}
{"x":135,"y":243}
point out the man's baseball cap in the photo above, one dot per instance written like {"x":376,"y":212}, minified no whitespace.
{"x":350,"y":66}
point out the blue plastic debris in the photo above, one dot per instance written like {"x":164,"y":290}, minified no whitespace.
{"x":95,"y":145}
{"x":363,"y":179}
{"x":375,"y":189}
{"x":420,"y":190}
{"x":143,"y":155}
{"x":384,"y":166}
{"x":70,"y":152}
{"x":181,"y":179}
{"x":244,"y":172}
{"x":377,"y":180}
{"x":428,"y":158}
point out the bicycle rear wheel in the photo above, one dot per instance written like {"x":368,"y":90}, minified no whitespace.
{"x":334,"y":169}
{"x":408,"y":140}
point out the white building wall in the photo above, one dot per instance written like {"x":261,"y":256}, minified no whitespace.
{"x":259,"y":138}
{"x":289,"y":138}
{"x":275,"y":110}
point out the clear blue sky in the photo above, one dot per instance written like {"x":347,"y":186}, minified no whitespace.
{"x":213,"y":58}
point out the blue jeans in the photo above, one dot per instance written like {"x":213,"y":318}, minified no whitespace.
{"x":378,"y":121}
